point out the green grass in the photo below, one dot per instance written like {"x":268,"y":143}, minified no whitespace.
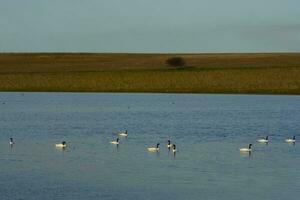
{"x":262,"y":81}
{"x":241,"y":73}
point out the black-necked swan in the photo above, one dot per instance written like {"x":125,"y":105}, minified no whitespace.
{"x":11,"y":141}
{"x":115,"y":141}
{"x":291,"y":140}
{"x":124,"y":134}
{"x":174,"y":148}
{"x":154,"y":149}
{"x":169,"y":145}
{"x":266,"y":140}
{"x":245,"y":149}
{"x":63,"y":144}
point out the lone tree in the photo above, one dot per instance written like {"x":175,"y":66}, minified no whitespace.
{"x":175,"y":62}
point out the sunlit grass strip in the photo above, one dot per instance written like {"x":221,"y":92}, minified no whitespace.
{"x":67,"y":62}
{"x":253,"y":81}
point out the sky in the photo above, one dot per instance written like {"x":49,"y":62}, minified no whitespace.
{"x":150,"y":26}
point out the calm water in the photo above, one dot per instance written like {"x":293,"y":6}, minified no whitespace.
{"x":208,"y":130}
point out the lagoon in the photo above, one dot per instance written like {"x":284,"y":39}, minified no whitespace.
{"x":207,"y":129}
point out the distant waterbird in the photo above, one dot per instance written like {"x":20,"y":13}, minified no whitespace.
{"x":124,"y":134}
{"x":154,"y":149}
{"x":116,"y":142}
{"x":169,"y":145}
{"x":11,"y":141}
{"x":264,"y":140}
{"x":291,"y":140}
{"x":63,"y":144}
{"x":246,"y":149}
{"x":174,"y":150}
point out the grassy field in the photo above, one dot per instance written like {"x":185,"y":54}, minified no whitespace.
{"x":205,"y":73}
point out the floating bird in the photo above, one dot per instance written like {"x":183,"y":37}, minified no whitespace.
{"x":245,"y":149}
{"x":154,"y":149}
{"x":11,"y":141}
{"x":124,"y":134}
{"x":169,"y":145}
{"x":291,"y":140}
{"x":63,"y":144}
{"x":174,"y":148}
{"x":266,"y":140}
{"x":115,"y":141}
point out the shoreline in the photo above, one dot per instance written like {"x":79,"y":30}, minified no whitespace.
{"x":154,"y":93}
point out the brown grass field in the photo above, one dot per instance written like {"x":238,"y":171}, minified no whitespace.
{"x":263,"y":73}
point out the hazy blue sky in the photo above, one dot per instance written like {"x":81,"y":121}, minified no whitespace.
{"x":150,"y":25}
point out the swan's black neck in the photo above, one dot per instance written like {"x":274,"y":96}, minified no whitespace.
{"x":174,"y":146}
{"x":169,"y":142}
{"x":294,"y":137}
{"x":11,"y":139}
{"x":157,"y":145}
{"x":117,"y":139}
{"x":63,"y":143}
{"x":250,"y":145}
{"x":267,"y":137}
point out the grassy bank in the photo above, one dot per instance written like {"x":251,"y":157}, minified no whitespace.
{"x":207,"y":73}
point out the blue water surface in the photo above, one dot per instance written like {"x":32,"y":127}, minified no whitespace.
{"x":207,"y":129}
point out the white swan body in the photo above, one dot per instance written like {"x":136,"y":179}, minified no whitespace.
{"x":291,"y":140}
{"x":154,"y":149}
{"x":116,"y":142}
{"x":245,"y":149}
{"x":61,"y":145}
{"x":124,"y":134}
{"x":266,"y":140}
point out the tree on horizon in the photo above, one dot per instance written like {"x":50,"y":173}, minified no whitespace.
{"x":175,"y":62}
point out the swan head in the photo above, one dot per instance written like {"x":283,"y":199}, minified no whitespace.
{"x":250,"y":145}
{"x":174,"y":146}
{"x":63,"y":143}
{"x":157,"y":145}
{"x":169,"y":142}
{"x":11,"y":139}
